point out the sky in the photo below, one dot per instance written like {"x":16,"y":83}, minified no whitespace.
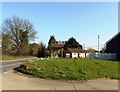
{"x":81,"y":20}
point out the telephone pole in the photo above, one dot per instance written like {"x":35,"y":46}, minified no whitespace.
{"x":98,"y":43}
{"x":83,"y":46}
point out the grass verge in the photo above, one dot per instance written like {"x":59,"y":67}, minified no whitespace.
{"x":71,"y":69}
{"x":10,"y":57}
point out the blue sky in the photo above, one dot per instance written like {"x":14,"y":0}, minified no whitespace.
{"x":81,"y":20}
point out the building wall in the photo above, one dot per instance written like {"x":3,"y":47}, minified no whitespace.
{"x":114,"y":46}
{"x":82,"y":55}
{"x":67,"y":55}
{"x":74,"y":55}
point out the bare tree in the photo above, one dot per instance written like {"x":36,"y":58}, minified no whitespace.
{"x":20,"y":31}
{"x":0,"y":39}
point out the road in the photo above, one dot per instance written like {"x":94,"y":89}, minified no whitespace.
{"x":9,"y":65}
{"x":6,"y":66}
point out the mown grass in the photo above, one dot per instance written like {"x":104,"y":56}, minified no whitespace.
{"x":11,"y":57}
{"x":71,"y":69}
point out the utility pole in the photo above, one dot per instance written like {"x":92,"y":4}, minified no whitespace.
{"x":98,"y":43}
{"x":83,"y":46}
{"x":98,"y":46}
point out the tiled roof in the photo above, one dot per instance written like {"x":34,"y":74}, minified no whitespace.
{"x":57,"y":45}
{"x":113,"y":37}
{"x":75,"y":50}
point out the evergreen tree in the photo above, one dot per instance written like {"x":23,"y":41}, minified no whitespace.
{"x":72,"y":43}
{"x":52,"y":40}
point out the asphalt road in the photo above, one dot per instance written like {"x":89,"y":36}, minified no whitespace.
{"x":9,"y":65}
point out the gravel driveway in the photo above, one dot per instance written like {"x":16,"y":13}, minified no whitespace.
{"x":16,"y":81}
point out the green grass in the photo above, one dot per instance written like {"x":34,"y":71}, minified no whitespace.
{"x":10,"y":57}
{"x":71,"y":69}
